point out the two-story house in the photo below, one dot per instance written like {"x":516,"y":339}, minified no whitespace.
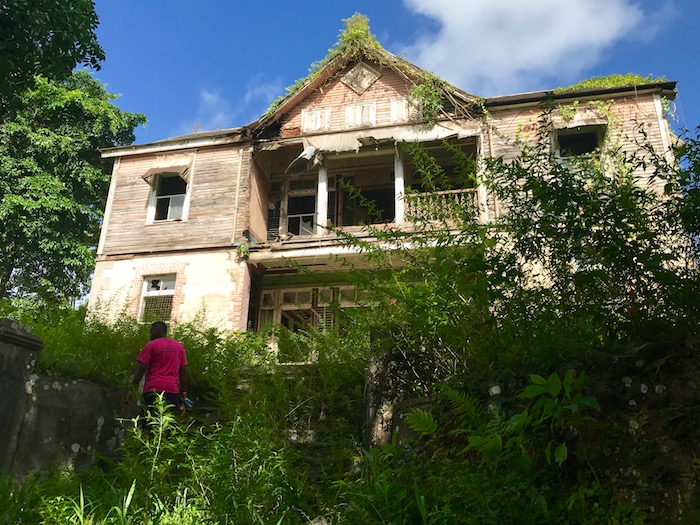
{"x":238,"y":226}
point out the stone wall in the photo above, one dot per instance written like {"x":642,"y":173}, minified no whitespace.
{"x":51,"y":421}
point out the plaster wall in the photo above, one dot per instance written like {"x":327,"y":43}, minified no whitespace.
{"x":210,"y":286}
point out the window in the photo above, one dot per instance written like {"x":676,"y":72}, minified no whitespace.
{"x":157,"y":298}
{"x":400,"y":110}
{"x":301,"y":206}
{"x":580,"y":141}
{"x":169,"y":178}
{"x":315,"y":119}
{"x":170,"y":197}
{"x":357,"y":115}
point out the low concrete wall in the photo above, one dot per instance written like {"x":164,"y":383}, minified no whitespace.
{"x":66,"y":421}
{"x":18,"y":351}
{"x":51,"y":421}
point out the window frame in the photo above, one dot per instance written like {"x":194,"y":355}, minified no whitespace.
{"x":154,"y":197}
{"x":316,"y":119}
{"x":355,"y":115}
{"x":600,"y":131}
{"x":146,"y":293}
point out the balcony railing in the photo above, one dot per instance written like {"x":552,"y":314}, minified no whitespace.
{"x":439,"y":205}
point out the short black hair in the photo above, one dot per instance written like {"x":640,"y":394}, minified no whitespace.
{"x":160,"y":326}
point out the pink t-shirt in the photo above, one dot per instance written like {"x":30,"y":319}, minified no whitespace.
{"x":163,"y":358}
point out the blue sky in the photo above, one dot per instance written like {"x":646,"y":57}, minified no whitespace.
{"x":221,"y":62}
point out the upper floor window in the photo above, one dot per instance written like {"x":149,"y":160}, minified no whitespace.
{"x":400,"y":110}
{"x":357,"y":115}
{"x":316,"y":119}
{"x":169,"y":178}
{"x":580,"y":141}
{"x":170,"y":194}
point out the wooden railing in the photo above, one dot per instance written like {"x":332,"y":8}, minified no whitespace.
{"x":438,"y":205}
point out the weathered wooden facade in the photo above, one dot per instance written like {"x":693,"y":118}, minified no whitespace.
{"x":217,"y":224}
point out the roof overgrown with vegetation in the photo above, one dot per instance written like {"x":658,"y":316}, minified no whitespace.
{"x":356,"y":42}
{"x":613,"y":81}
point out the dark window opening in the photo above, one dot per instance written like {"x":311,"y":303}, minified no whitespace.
{"x":371,"y":206}
{"x":301,"y":212}
{"x":579,"y":141}
{"x":170,"y":198}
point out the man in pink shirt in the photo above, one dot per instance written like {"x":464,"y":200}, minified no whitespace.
{"x":164,"y":363}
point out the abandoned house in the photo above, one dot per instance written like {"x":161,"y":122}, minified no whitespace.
{"x":220,"y":224}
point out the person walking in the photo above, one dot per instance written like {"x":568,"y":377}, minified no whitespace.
{"x":164,"y":363}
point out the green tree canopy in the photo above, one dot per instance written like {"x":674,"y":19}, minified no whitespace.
{"x":53,"y":184}
{"x":44,"y":37}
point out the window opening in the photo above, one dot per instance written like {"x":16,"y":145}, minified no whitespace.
{"x":170,"y":197}
{"x":301,"y":211}
{"x":579,"y":141}
{"x":273,"y":220}
{"x":157,"y":298}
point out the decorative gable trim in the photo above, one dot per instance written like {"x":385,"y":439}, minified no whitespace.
{"x":361,"y":77}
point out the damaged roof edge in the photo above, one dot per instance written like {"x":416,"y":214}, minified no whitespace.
{"x":193,"y":140}
{"x":666,"y":88}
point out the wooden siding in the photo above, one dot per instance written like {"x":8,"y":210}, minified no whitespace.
{"x":335,"y":95}
{"x":509,"y":129}
{"x":259,"y":191}
{"x":214,"y":180}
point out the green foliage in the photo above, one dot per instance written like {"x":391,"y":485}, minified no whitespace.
{"x":613,"y":81}
{"x":557,"y":342}
{"x":354,"y":41}
{"x":53,"y":185}
{"x":47,"y":38}
{"x":426,"y":97}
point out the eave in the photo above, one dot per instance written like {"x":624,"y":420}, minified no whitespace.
{"x":667,"y":89}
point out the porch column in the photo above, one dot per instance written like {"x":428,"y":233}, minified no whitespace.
{"x":399,"y":186}
{"x":322,"y":200}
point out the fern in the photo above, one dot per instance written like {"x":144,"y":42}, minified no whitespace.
{"x":467,"y":406}
{"x":422,"y":422}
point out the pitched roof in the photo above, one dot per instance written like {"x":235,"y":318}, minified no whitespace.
{"x":356,"y":44}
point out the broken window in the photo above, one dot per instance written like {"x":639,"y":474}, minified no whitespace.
{"x":362,"y":191}
{"x":168,"y":198}
{"x":580,"y":141}
{"x":300,"y":309}
{"x":301,"y":211}
{"x":157,"y":298}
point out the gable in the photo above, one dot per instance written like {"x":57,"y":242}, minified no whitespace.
{"x":363,"y":95}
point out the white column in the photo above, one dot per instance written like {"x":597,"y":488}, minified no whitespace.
{"x":399,"y":187}
{"x":322,"y":200}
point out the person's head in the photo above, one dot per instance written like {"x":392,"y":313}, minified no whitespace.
{"x":158,"y":329}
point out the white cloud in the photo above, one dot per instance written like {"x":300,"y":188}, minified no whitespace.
{"x":492,"y":47}
{"x":260,"y":95}
{"x":215,"y":112}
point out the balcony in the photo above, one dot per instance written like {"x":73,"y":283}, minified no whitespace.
{"x":439,"y":205}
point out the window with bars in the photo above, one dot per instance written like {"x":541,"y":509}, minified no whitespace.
{"x":157,"y":298}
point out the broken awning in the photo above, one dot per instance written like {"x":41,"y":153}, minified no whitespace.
{"x":175,"y":164}
{"x":309,"y":158}
{"x":354,"y":141}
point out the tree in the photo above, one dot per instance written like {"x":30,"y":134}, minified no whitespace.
{"x":53,"y":184}
{"x":588,"y":258}
{"x":44,"y":37}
